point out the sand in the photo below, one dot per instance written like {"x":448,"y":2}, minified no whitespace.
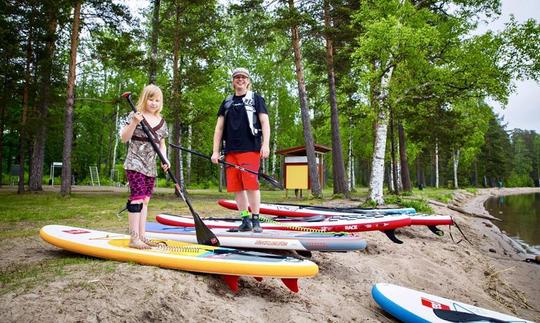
{"x":489,"y":273}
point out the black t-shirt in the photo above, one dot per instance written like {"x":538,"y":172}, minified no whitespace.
{"x":236,"y":132}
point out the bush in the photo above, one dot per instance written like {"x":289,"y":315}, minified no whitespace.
{"x":516,"y":180}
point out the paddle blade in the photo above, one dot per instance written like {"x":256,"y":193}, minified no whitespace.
{"x":272,"y":181}
{"x":204,"y":235}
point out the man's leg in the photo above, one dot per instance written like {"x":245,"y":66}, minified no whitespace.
{"x":242,"y":203}
{"x":254,"y":200}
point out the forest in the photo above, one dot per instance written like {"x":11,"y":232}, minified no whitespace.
{"x":398,"y":89}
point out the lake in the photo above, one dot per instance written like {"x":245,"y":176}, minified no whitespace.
{"x":521,"y":218}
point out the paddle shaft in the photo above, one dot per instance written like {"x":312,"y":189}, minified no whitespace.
{"x":219,"y":160}
{"x":264,"y":176}
{"x":212,"y":239}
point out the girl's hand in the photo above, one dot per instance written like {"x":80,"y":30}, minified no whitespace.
{"x":138,"y":117}
{"x":165,"y":167}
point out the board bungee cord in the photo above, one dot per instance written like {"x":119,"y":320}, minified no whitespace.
{"x":299,"y":228}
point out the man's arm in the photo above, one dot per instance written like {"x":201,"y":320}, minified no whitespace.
{"x":265,"y":125}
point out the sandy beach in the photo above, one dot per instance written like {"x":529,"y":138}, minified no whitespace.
{"x":489,"y":272}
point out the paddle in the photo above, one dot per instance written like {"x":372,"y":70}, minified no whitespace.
{"x":204,"y":235}
{"x":269,"y":179}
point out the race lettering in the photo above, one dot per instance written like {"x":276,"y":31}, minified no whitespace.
{"x":432,"y":304}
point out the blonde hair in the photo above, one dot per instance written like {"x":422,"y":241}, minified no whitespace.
{"x":150,"y":91}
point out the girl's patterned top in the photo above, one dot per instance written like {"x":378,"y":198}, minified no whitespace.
{"x":141,"y":157}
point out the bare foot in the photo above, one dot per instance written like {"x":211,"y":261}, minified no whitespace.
{"x":149,"y":242}
{"x":138,"y":244}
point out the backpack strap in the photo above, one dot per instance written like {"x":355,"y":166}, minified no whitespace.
{"x":251,"y":112}
{"x":249,"y":103}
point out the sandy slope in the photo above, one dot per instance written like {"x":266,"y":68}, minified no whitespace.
{"x":489,"y":273}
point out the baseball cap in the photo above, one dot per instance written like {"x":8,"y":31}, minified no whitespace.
{"x":240,"y":71}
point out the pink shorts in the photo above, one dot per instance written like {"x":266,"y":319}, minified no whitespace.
{"x":140,"y":185}
{"x":238,"y":180}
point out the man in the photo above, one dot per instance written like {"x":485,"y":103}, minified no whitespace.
{"x":244,"y":128}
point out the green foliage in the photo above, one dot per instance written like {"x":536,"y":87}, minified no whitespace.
{"x":519,"y":180}
{"x":441,"y":74}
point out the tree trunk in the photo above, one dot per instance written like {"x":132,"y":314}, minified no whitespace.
{"x":274,"y":138}
{"x":36,"y":163}
{"x":376,"y":180}
{"x":394,"y":164}
{"x":188,"y":156}
{"x":2,"y":122}
{"x":350,"y":164}
{"x":308,"y":136}
{"x":24,"y":115}
{"x":70,"y":101}
{"x":436,"y":163}
{"x":176,"y":96}
{"x":455,"y":167}
{"x":405,"y":176}
{"x":152,"y":68}
{"x":338,"y":169}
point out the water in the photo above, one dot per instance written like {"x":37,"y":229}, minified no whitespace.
{"x":521,"y":218}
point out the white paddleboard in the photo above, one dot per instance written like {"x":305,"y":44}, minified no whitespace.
{"x":409,"y":305}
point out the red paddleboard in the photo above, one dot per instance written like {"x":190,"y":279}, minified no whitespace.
{"x":292,"y":210}
{"x":385,"y":223}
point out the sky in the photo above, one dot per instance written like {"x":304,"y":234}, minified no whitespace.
{"x":523,"y":108}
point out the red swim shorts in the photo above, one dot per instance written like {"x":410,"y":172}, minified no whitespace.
{"x":238,"y":180}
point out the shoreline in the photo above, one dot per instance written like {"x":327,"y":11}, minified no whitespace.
{"x":475,"y":205}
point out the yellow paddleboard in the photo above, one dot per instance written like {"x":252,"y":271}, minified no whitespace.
{"x":229,"y":262}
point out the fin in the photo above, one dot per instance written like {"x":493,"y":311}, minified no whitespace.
{"x":436,"y":230}
{"x":232,"y":282}
{"x":259,"y":279}
{"x":391,"y":234}
{"x":291,"y":283}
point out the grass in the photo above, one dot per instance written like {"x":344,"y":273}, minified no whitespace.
{"x":24,"y":214}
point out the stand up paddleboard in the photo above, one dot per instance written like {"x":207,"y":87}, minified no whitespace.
{"x":268,"y":239}
{"x":282,"y":209}
{"x":384,"y":223}
{"x":410,"y":305}
{"x":230,"y":263}
{"x":293,"y":210}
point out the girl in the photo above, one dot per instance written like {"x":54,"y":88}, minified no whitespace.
{"x":140,"y":164}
